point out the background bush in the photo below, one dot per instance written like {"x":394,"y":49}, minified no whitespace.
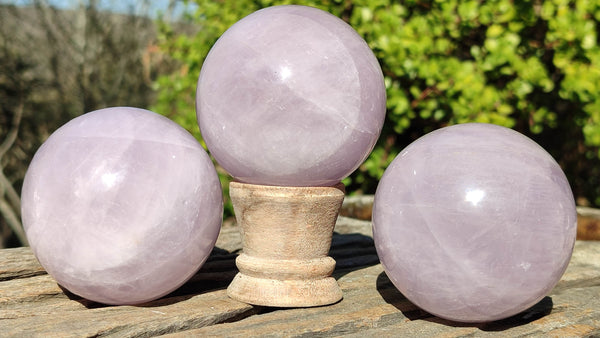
{"x":533,"y":66}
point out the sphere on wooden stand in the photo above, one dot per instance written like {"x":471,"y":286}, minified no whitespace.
{"x":289,"y":96}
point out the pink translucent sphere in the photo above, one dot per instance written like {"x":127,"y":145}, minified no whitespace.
{"x":291,"y":96}
{"x":474,"y":222}
{"x":121,"y":205}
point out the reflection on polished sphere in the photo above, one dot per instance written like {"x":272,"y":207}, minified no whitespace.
{"x":292,"y":96}
{"x":121,"y":205}
{"x":474,"y":222}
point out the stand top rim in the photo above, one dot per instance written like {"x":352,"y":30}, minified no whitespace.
{"x":336,"y":190}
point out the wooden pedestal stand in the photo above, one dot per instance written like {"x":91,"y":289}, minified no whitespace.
{"x":286,"y":235}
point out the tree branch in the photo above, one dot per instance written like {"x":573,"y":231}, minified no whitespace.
{"x":5,"y":185}
{"x":14,"y":130}
{"x":13,"y":222}
{"x":11,"y":193}
{"x":12,"y":213}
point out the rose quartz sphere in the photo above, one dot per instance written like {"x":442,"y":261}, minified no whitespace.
{"x":290,"y":96}
{"x":121,"y":205}
{"x":474,"y":222}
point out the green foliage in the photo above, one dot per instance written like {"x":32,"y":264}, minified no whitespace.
{"x":530,"y":65}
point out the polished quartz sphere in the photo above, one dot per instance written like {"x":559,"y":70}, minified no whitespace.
{"x":474,"y":222}
{"x":121,"y":205}
{"x":291,"y":96}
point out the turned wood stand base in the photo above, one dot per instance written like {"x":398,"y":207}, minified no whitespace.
{"x":286,"y":236}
